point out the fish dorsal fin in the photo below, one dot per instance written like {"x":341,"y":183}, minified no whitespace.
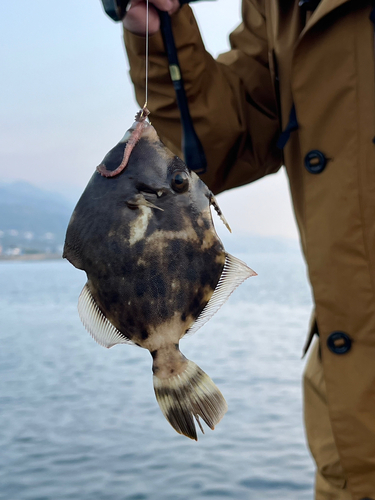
{"x":98,"y":326}
{"x":234,"y":273}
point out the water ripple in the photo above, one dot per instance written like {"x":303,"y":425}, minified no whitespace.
{"x":81,"y":422}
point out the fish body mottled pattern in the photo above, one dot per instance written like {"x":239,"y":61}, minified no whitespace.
{"x":145,"y":266}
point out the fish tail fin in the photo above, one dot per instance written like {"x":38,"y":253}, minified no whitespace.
{"x":187,"y":396}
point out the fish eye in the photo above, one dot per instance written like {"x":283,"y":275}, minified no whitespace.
{"x":180,"y":181}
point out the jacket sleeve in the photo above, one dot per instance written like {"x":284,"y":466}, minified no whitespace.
{"x":231,"y":99}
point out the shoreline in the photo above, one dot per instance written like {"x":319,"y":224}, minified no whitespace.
{"x":31,"y":257}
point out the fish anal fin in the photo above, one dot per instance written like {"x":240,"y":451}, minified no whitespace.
{"x":234,"y":273}
{"x":98,"y":326}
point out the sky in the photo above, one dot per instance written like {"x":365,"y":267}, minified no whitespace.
{"x":67,"y":99}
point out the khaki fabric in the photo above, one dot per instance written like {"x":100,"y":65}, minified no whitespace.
{"x":240,"y":103}
{"x":330,"y":477}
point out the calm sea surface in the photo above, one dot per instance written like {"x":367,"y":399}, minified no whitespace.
{"x":81,"y":422}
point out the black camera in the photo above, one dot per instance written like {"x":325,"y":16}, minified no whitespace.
{"x":116,"y":9}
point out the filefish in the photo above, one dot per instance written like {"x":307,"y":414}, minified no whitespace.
{"x":156,"y":269}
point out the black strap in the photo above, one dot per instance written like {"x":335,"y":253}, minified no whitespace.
{"x":192,"y":148}
{"x":291,"y":127}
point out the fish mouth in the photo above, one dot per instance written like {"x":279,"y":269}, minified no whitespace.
{"x":149,"y":192}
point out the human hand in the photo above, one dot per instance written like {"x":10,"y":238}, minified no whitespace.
{"x":135,"y":18}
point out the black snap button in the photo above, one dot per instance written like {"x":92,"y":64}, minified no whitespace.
{"x":315,"y":162}
{"x":339,"y":343}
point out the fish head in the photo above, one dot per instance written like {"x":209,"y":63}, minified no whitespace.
{"x":153,"y":178}
{"x":154,"y":173}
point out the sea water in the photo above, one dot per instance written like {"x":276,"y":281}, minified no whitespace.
{"x":81,"y":422}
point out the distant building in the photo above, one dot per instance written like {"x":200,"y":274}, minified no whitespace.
{"x":13,"y":251}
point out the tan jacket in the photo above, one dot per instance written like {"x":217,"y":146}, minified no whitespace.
{"x":239,"y":103}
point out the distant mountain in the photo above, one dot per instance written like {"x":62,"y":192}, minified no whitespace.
{"x":25,"y":207}
{"x":31,"y":218}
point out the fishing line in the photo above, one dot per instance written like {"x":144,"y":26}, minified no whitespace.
{"x":147,"y":30}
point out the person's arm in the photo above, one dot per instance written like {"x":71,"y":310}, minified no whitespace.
{"x":231,"y":100}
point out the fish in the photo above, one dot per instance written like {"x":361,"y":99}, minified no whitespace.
{"x":156,"y":269}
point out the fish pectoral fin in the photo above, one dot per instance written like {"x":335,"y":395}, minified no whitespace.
{"x":140,"y":200}
{"x":234,"y":273}
{"x":98,"y":326}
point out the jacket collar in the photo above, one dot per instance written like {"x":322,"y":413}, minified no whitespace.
{"x":324,"y":8}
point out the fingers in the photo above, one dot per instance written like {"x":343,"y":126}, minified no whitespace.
{"x":135,"y":18}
